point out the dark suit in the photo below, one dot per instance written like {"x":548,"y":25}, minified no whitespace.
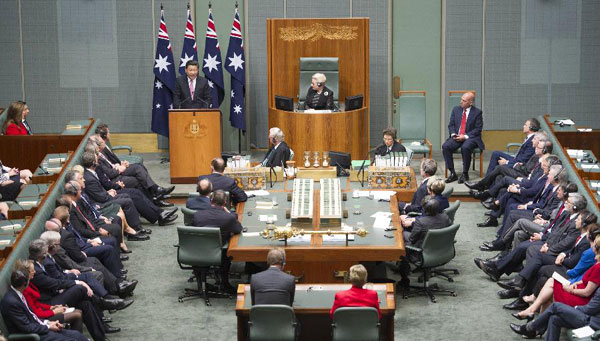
{"x":324,"y":100}
{"x":19,"y":319}
{"x":198,"y":203}
{"x":560,"y":315}
{"x":55,"y":271}
{"x":227,"y":184}
{"x":134,"y":176}
{"x":384,"y":150}
{"x":415,"y":203}
{"x":526,"y":150}
{"x":182,"y":99}
{"x":276,"y":157}
{"x":217,"y":217}
{"x":272,"y":286}
{"x":425,"y":223}
{"x":474,"y":125}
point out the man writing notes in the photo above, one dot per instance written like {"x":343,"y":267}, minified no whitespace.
{"x":466,"y":123}
{"x":191,"y":91}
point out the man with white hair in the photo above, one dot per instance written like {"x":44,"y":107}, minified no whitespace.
{"x":319,"y":96}
{"x":279,"y":152}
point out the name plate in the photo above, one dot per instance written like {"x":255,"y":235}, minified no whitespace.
{"x":389,"y":177}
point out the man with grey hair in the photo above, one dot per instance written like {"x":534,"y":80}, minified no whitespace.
{"x":279,"y":152}
{"x":428,"y":169}
{"x":273,"y":286}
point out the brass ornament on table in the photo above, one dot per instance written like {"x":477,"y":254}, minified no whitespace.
{"x":317,"y":31}
{"x":285,"y":232}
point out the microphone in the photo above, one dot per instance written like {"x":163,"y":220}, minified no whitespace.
{"x":205,"y":102}
{"x":362,"y":167}
{"x":185,"y":100}
{"x":44,"y":170}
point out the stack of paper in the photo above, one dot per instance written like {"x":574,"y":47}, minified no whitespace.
{"x":382,"y":195}
{"x":258,"y":193}
{"x":267,"y":217}
{"x":586,"y":166}
{"x":264,"y":205}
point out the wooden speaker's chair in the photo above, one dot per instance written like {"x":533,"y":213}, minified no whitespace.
{"x":411,"y":121}
{"x":325,"y":65}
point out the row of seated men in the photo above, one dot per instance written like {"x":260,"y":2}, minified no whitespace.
{"x":78,"y":262}
{"x":545,"y":229}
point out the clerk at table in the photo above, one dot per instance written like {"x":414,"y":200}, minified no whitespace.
{"x":389,"y":143}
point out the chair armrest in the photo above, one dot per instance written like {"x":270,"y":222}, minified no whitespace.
{"x":121,"y":148}
{"x":512,"y":145}
{"x":32,"y":337}
{"x":413,"y":248}
{"x":414,"y":214}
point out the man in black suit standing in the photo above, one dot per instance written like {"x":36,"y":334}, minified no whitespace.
{"x":219,"y":215}
{"x":219,"y":181}
{"x":19,"y":318}
{"x":279,"y":152}
{"x":466,"y":123}
{"x":191,"y":91}
{"x":389,"y":143}
{"x":202,"y":201}
{"x":273,"y":286}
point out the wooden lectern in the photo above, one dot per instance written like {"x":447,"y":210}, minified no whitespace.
{"x":194,"y":140}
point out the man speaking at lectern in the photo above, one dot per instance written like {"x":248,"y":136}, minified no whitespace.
{"x":191,"y":91}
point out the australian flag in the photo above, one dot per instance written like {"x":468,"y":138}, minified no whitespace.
{"x":164,"y":80}
{"x":235,"y":66}
{"x":212,"y":66}
{"x":189,"y":51}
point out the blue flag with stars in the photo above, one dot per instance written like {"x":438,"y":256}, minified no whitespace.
{"x":235,"y":66}
{"x":164,"y":80}
{"x":189,"y":51}
{"x":212,"y":66}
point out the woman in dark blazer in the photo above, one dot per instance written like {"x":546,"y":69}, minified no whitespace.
{"x":319,"y":96}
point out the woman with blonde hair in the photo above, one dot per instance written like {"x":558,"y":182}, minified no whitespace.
{"x":319,"y":96}
{"x":356,"y":296}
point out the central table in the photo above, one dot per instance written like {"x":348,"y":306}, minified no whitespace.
{"x":312,"y":303}
{"x":315,"y":260}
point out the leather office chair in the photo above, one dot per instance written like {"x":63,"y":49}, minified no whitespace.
{"x":200,"y":249}
{"x":451,"y":210}
{"x":272,"y":322}
{"x":448,"y":191}
{"x":129,"y":158}
{"x":325,"y":65}
{"x":437,"y":250}
{"x":188,"y":216}
{"x":410,"y":119}
{"x":355,"y":323}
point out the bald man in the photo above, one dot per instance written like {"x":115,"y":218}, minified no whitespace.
{"x":466,"y":123}
{"x":220,"y":181}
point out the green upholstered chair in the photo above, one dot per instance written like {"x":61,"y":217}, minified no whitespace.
{"x":200,"y":250}
{"x":451,"y":210}
{"x":410,"y":118}
{"x":126,"y":157}
{"x":23,"y":337}
{"x":355,"y":323}
{"x":512,"y":148}
{"x":448,"y":191}
{"x":325,"y":65}
{"x":188,"y":216}
{"x":437,"y":250}
{"x":272,"y":322}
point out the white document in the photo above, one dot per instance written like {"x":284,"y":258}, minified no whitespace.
{"x":267,"y":217}
{"x":595,"y":184}
{"x":584,"y":130}
{"x":5,"y":242}
{"x":560,"y":278}
{"x":567,"y":122}
{"x":336,"y":238}
{"x":381,"y":214}
{"x":583,"y":332}
{"x":574,"y":153}
{"x":382,"y":222}
{"x":365,"y":194}
{"x":97,"y":240}
{"x":251,"y":234}
{"x":28,"y":203}
{"x":69,"y":310}
{"x":264,"y":205}
{"x":382,"y":195}
{"x":305,"y":239}
{"x":11,"y":227}
{"x":589,"y":166}
{"x":258,"y":193}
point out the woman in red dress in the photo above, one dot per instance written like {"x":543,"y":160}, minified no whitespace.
{"x":578,"y":293}
{"x":14,"y":116}
{"x":46,"y":311}
{"x":356,"y":296}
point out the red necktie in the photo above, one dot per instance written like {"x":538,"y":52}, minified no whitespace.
{"x":463,"y":123}
{"x":562,"y":206}
{"x":86,"y":220}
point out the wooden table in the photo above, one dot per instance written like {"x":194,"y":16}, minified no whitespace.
{"x":315,"y":261}
{"x":312,"y":303}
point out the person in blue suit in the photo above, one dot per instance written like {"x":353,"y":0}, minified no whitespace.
{"x":466,"y":123}
{"x":523,"y":154}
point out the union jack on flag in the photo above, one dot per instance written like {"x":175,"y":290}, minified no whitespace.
{"x":235,"y":66}
{"x":189,"y":51}
{"x":212,"y":65}
{"x":164,"y":80}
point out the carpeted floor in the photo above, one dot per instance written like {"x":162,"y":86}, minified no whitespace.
{"x":475,"y":314}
